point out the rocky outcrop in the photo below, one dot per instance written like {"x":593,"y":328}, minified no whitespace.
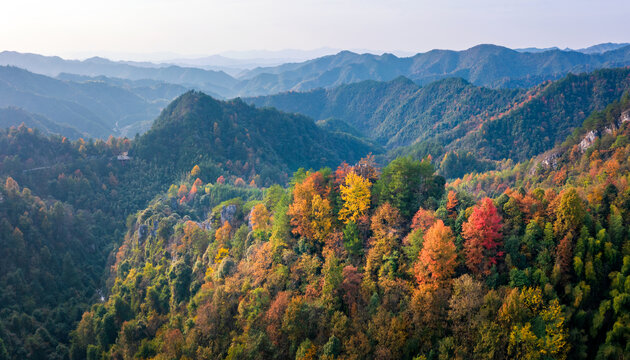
{"x":588,"y":140}
{"x":228,"y":214}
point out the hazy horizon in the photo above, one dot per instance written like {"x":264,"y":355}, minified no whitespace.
{"x":164,"y":29}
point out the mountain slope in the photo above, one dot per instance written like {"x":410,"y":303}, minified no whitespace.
{"x":549,"y":117}
{"x":197,"y":128}
{"x":12,"y":116}
{"x":399,"y":112}
{"x":65,"y":202}
{"x":453,"y":115}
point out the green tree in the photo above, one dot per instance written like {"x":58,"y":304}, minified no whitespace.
{"x":406,"y":184}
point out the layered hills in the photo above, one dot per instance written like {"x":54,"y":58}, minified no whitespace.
{"x":93,"y":108}
{"x":483,"y":65}
{"x":452,"y":114}
{"x":527,"y":262}
{"x":399,"y":112}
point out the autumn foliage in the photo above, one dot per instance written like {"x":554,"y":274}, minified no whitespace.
{"x":259,"y":217}
{"x":423,"y":219}
{"x":437,"y":259}
{"x":222,"y":234}
{"x":310,"y":212}
{"x":482,"y":234}
{"x":356,"y":196}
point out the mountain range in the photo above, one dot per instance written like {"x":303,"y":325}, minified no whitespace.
{"x":452,"y":114}
{"x":399,"y":112}
{"x":92,"y":107}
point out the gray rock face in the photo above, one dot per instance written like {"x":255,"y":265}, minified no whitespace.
{"x":206,"y":225}
{"x":156,"y":223}
{"x":551,"y":161}
{"x":143,"y":231}
{"x":228,"y":213}
{"x":588,"y":140}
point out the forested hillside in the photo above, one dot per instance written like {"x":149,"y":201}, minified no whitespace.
{"x":65,"y":203}
{"x":52,"y":263}
{"x":12,"y":116}
{"x":237,"y":232}
{"x":548,"y":118}
{"x":399,"y":112}
{"x":471,"y":124}
{"x":259,"y":145}
{"x":528,"y":263}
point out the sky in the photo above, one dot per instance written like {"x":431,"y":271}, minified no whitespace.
{"x":160,"y":29}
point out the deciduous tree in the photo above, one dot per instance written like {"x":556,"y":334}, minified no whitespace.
{"x":356,"y":196}
{"x":438,"y":259}
{"x":482,"y":238}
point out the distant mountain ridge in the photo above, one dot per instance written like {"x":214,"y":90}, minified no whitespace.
{"x":595,"y":49}
{"x":483,"y":65}
{"x":93,"y":108}
{"x":208,"y":80}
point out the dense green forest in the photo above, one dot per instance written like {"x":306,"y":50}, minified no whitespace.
{"x":399,"y":112}
{"x":260,"y":145}
{"x":230,"y":231}
{"x":452,"y":115}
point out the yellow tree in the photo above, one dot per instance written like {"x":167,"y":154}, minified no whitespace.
{"x":195,"y":171}
{"x":310,"y":212}
{"x":321,"y":219}
{"x":259,"y":218}
{"x":356,"y":196}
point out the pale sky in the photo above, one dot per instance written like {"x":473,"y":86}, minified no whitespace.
{"x":163,"y":28}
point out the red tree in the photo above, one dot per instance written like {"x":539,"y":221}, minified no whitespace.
{"x":482,"y":238}
{"x":341,"y":172}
